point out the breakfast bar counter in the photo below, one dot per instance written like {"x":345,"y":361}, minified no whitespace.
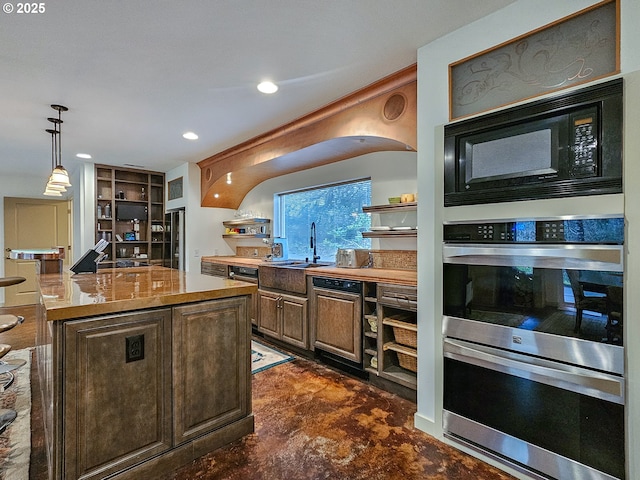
{"x":142,"y":369}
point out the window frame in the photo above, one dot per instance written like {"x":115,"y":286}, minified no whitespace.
{"x":279,"y":229}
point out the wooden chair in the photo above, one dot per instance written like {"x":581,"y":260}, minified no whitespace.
{"x":593,"y":302}
{"x":614,"y":315}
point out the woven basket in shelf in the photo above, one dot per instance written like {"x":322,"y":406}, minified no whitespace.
{"x":407,"y":357}
{"x":407,"y":361}
{"x":404,"y":333}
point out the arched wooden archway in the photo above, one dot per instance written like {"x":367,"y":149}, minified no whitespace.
{"x":380,"y":117}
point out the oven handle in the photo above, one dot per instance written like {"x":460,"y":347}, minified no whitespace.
{"x":580,"y":257}
{"x":568,"y":377}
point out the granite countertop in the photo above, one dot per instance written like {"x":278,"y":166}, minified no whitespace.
{"x":384,"y":275}
{"x":68,"y":296}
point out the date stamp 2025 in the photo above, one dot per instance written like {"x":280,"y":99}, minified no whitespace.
{"x":24,"y":8}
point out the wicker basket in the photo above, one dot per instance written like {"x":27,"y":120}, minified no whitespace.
{"x":408,"y":361}
{"x":404,"y":333}
{"x":407,"y":357}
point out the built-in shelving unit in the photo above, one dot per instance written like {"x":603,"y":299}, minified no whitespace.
{"x":391,"y":208}
{"x":397,"y":334}
{"x":247,"y":228}
{"x":119,"y":189}
{"x":370,"y":340}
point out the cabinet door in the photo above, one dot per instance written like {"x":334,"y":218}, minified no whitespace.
{"x":338,"y":323}
{"x":117,"y":408}
{"x":294,"y":320}
{"x":268,"y":313}
{"x":211,"y":366}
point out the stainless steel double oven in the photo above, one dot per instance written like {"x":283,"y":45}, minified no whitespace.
{"x":533,"y":343}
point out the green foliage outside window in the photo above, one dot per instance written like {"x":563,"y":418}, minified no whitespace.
{"x":337,"y":212}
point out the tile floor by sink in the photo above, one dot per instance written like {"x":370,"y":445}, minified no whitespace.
{"x":312,"y":423}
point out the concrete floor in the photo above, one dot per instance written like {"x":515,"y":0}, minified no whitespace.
{"x":311,"y":422}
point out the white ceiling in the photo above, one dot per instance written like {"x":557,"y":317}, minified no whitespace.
{"x":137,"y":74}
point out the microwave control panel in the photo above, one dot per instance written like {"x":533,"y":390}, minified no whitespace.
{"x":585,"y":143}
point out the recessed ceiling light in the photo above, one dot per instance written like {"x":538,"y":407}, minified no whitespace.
{"x":216,"y":195}
{"x":267,"y":87}
{"x":83,"y":155}
{"x":190,"y":136}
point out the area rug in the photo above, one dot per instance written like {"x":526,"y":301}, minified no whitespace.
{"x":263,"y":357}
{"x":15,"y":441}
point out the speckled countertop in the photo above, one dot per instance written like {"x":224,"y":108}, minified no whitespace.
{"x":380,"y":275}
{"x":67,"y":296}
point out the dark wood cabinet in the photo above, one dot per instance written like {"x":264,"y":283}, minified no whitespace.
{"x":208,"y":340}
{"x":269,"y":313}
{"x":106,"y":394}
{"x":284,"y":317}
{"x":337,"y":323}
{"x":134,"y":394}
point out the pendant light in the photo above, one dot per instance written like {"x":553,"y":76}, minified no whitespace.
{"x":59,"y":179}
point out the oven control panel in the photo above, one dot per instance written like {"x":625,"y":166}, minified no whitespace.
{"x":588,"y":230}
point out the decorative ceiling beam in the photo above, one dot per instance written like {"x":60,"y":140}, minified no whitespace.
{"x":379,"y":117}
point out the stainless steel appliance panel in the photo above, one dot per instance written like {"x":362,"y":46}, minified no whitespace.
{"x":533,"y":344}
{"x":560,"y":420}
{"x":585,"y":353}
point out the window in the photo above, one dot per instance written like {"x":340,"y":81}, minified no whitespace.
{"x":335,"y":209}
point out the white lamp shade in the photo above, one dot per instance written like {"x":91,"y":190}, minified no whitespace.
{"x":59,"y":176}
{"x":52,"y":193}
{"x":54,"y":186}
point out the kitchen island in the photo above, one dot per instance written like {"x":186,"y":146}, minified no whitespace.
{"x":142,"y":369}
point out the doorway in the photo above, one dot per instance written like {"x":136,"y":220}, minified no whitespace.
{"x":31,"y":223}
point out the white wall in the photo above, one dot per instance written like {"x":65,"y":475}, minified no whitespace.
{"x":203,"y":229}
{"x":433,"y":60}
{"x":20,"y":187}
{"x":392,"y":174}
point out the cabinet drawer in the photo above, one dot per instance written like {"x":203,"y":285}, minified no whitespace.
{"x":398,"y":296}
{"x":214,"y":269}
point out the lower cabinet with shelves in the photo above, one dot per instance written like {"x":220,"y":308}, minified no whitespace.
{"x":390,"y":333}
{"x":370,"y":327}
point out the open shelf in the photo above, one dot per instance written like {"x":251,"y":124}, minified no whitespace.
{"x":391,"y":207}
{"x":122,"y":186}
{"x":390,"y":234}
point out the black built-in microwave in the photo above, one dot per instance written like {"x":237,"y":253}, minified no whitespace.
{"x":568,"y":145}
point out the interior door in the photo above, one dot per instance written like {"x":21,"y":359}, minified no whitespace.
{"x":32,"y":223}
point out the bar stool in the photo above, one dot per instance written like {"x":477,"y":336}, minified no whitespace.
{"x":7,"y":322}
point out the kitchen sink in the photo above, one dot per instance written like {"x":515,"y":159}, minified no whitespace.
{"x":286,"y":275}
{"x":295,"y":263}
{"x":308,"y":265}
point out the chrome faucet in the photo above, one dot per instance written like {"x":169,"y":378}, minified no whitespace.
{"x":313,"y":242}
